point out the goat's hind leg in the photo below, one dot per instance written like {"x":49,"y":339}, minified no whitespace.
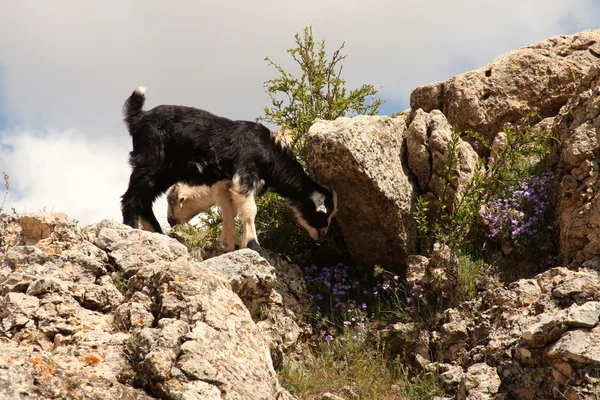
{"x":228,"y":213}
{"x":246,"y":205}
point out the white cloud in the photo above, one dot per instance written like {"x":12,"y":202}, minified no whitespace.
{"x":67,"y":66}
{"x":63,"y":171}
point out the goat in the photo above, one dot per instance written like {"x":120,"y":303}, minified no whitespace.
{"x":184,"y":144}
{"x":185,"y":201}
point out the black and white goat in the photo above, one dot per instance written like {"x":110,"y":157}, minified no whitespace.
{"x":183,"y":144}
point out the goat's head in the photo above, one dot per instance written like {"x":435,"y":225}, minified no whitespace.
{"x":316,"y":210}
{"x":186,"y":201}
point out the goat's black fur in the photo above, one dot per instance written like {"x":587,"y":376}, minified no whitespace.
{"x":183,"y":144}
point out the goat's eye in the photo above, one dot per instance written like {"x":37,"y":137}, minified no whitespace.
{"x":172,"y":202}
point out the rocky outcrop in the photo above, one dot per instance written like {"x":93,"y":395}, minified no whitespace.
{"x":534,"y":339}
{"x":361,"y":158}
{"x":429,"y":142}
{"x":538,"y":78}
{"x":577,"y":128}
{"x":175,"y":331}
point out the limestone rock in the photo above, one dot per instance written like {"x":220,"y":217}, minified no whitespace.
{"x":578,"y":347}
{"x":38,"y":226}
{"x":537,"y":78}
{"x":361,"y":158}
{"x":251,"y":277}
{"x":577,"y":173}
{"x":68,"y":332}
{"x":481,"y":383}
{"x":129,"y":247}
{"x":428,"y":141}
{"x":416,"y":270}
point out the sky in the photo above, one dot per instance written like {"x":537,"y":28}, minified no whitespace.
{"x":67,"y":66}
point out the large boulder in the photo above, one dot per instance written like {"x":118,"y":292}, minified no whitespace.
{"x":361,"y":158}
{"x":111,"y":312}
{"x":575,"y":155}
{"x":429,"y":141}
{"x":537,"y":78}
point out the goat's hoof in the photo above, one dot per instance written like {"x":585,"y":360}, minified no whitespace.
{"x":236,"y":247}
{"x":253,"y":245}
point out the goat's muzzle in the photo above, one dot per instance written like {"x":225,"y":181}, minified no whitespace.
{"x":172,"y":222}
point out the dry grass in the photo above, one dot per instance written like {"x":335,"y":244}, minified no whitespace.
{"x":359,"y":365}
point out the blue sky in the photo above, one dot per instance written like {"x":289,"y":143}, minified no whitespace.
{"x":67,"y":66}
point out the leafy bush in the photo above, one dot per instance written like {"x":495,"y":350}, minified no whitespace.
{"x":511,"y":163}
{"x":319,"y":92}
{"x":506,"y":202}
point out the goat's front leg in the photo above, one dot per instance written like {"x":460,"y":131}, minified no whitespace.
{"x":228,"y":213}
{"x":246,"y":205}
{"x":136,"y":206}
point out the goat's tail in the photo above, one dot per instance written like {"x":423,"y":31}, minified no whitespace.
{"x":133,"y":105}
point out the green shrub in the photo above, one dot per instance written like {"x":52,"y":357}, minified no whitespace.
{"x":319,"y":92}
{"x":500,"y":194}
{"x":523,"y":150}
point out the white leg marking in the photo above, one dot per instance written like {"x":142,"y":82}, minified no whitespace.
{"x":228,"y":212}
{"x":247,"y":209}
{"x":147,"y":226}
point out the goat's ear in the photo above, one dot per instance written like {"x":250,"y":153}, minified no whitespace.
{"x":319,"y":200}
{"x":181,"y":200}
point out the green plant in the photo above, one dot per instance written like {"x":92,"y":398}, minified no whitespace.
{"x":421,"y":209}
{"x":197,"y":237}
{"x":319,"y":92}
{"x":129,"y":377}
{"x":471,"y":223}
{"x":7,"y":187}
{"x":517,"y":157}
{"x":120,"y":281}
{"x":359,"y":363}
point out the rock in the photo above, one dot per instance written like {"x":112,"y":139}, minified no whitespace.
{"x":408,"y":340}
{"x":251,"y":277}
{"x":133,"y":315}
{"x":417,"y":144}
{"x":428,"y":97}
{"x":17,"y":310}
{"x":180,"y":330}
{"x":428,"y":142}
{"x":547,"y":329}
{"x":539,"y":334}
{"x":38,"y":226}
{"x":28,"y":372}
{"x":577,"y":347}
{"x":481,"y":383}
{"x":576,"y":286}
{"x":331,"y":396}
{"x":367,"y":153}
{"x":537,"y":78}
{"x":443,"y":266}
{"x":584,"y":316}
{"x":440,"y":144}
{"x":129,"y":247}
{"x":577,"y":172}
{"x":11,"y":232}
{"x":276,"y":296}
{"x":450,"y":375}
{"x":416,"y":270}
